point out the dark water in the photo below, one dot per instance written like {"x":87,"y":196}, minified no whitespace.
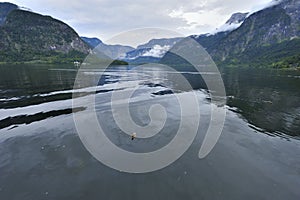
{"x":42,"y":157}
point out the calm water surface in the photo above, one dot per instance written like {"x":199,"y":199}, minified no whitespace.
{"x":42,"y":157}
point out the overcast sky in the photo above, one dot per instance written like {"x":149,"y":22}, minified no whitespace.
{"x":106,"y":18}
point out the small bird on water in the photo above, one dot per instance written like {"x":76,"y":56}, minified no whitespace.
{"x":133,"y":136}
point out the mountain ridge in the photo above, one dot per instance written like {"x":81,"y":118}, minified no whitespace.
{"x":266,"y":38}
{"x":252,"y":43}
{"x":5,"y":9}
{"x":31,"y":37}
{"x":112,"y":51}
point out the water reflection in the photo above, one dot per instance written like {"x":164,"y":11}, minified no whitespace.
{"x":26,"y":80}
{"x":268,"y":99}
{"x":41,"y":156}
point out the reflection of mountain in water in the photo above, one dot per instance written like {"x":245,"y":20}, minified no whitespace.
{"x":267,"y":99}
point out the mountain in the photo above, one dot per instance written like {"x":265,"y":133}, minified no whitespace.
{"x":26,"y":36}
{"x":210,"y":41}
{"x":155,"y":49}
{"x":5,"y":9}
{"x":152,"y":51}
{"x":267,"y":38}
{"x":234,"y":22}
{"x":112,"y":51}
{"x":92,"y":42}
{"x":237,"y":18}
{"x":161,"y":42}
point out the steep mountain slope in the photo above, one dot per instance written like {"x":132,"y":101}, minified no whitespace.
{"x":211,"y":41}
{"x":5,"y":9}
{"x":28,"y":36}
{"x":237,"y":18}
{"x":92,"y":42}
{"x":254,"y":42}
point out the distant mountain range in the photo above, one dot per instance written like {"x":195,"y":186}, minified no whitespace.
{"x":112,"y":51}
{"x":266,"y":38}
{"x":151,"y":51}
{"x":144,"y":53}
{"x":156,"y":49}
{"x":92,"y":42}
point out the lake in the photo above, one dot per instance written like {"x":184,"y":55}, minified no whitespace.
{"x":42,"y":156}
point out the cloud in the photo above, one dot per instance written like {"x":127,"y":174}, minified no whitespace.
{"x":202,"y":19}
{"x":157,"y":51}
{"x":263,"y":5}
{"x":105,"y":18}
{"x":226,"y":27}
